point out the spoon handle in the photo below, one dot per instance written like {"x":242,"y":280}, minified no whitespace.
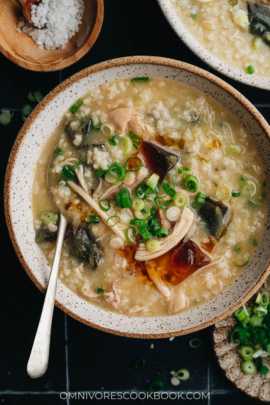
{"x":39,"y":357}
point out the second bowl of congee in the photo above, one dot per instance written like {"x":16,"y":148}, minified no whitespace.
{"x":236,"y":33}
{"x":164,"y":191}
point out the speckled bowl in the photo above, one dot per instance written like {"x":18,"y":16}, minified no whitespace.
{"x":206,"y":56}
{"x":19,"y":178}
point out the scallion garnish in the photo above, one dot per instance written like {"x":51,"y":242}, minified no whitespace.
{"x":194,"y":343}
{"x":94,"y":219}
{"x":250,"y":70}
{"x":119,"y":200}
{"x":180,"y":200}
{"x":135,"y":146}
{"x":200,"y":198}
{"x":38,"y":96}
{"x":97,"y":126}
{"x":145,"y":233}
{"x":169,"y":190}
{"x":162,"y":205}
{"x":117,"y":171}
{"x":5,"y":117}
{"x":104,"y":204}
{"x":77,"y":164}
{"x":48,"y":217}
{"x":137,"y":222}
{"x":184,"y":170}
{"x":31,"y":97}
{"x":235,"y":193}
{"x":58,"y":152}
{"x":133,"y":164}
{"x":76,"y":106}
{"x":62,"y":183}
{"x":68,"y":172}
{"x":131,"y":234}
{"x":140,"y":79}
{"x":141,"y":190}
{"x":100,"y":290}
{"x":126,"y":199}
{"x":111,"y":222}
{"x":100,"y":172}
{"x":191,"y":183}
{"x":244,"y":264}
{"x":112,"y":141}
{"x":233,"y":2}
{"x":161,"y":232}
{"x":140,"y":363}
{"x":134,"y":138}
{"x":26,"y":110}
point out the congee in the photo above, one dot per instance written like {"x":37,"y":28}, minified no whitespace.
{"x":164,"y":192}
{"x":235,"y":31}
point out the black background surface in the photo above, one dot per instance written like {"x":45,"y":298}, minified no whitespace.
{"x":82,"y":358}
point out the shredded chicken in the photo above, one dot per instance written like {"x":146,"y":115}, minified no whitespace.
{"x":120,"y":118}
{"x":165,"y":223}
{"x":178,"y":299}
{"x":96,"y":207}
{"x":155,"y":276}
{"x":89,"y":293}
{"x":135,"y":309}
{"x":80,"y":175}
{"x":112,"y":296}
{"x":181,"y":228}
{"x":120,"y":260}
{"x":142,"y":174}
{"x":137,"y":126}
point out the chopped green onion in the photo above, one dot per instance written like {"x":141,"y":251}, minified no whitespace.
{"x":253,"y":241}
{"x":234,"y":340}
{"x":113,"y":223}
{"x":152,"y":181}
{"x":126,"y":199}
{"x":133,"y":237}
{"x":138,"y":204}
{"x":234,"y":148}
{"x":163,"y":206}
{"x":137,"y":222}
{"x":119,"y":200}
{"x":38,"y":96}
{"x":260,"y":311}
{"x":248,"y":188}
{"x":140,"y":363}
{"x":250,"y":70}
{"x":100,"y":290}
{"x":31,"y":97}
{"x":184,"y":170}
{"x":62,"y":183}
{"x":26,"y":110}
{"x":258,"y":299}
{"x":256,"y":320}
{"x":140,"y":79}
{"x":144,"y":232}
{"x":235,"y":193}
{"x":94,"y":219}
{"x":252,"y":204}
{"x":58,"y":152}
{"x":125,"y":144}
{"x":153,"y":211}
{"x":76,"y":165}
{"x":107,"y":129}
{"x":113,"y":141}
{"x":76,"y":106}
{"x":156,"y":386}
{"x":194,"y":343}
{"x":134,"y":138}
{"x":233,"y":2}
{"x":264,"y":298}
{"x":237,"y":249}
{"x":222,"y":193}
{"x":117,"y":171}
{"x":200,"y":198}
{"x":134,"y":162}
{"x":135,"y":146}
{"x":182,"y":374}
{"x":169,"y":190}
{"x":263,"y":369}
{"x":191,"y":184}
{"x":240,"y":314}
{"x":152,"y":245}
{"x":68,"y":172}
{"x":256,"y":43}
{"x":48,"y":217}
{"x":151,"y":193}
{"x":244,"y":264}
{"x":5,"y":117}
{"x":141,"y":190}
{"x":111,"y":179}
{"x":100,"y":172}
{"x":143,"y":214}
{"x":180,"y":200}
{"x":171,"y":178}
{"x":161,"y":232}
{"x":249,"y":367}
{"x":104,"y":204}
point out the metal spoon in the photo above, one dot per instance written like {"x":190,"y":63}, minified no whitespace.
{"x":26,"y":6}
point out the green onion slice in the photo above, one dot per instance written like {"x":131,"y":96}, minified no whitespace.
{"x":97,"y":127}
{"x":222,"y":193}
{"x":100,"y":172}
{"x":117,"y":171}
{"x":169,"y":190}
{"x":234,"y":148}
{"x":135,"y":146}
{"x":143,"y":214}
{"x":26,"y":110}
{"x":100,"y":290}
{"x":240,"y":314}
{"x":141,"y":190}
{"x":150,"y":193}
{"x":31,"y":97}
{"x":182,"y":374}
{"x":152,"y":245}
{"x":94,"y":219}
{"x":256,"y":320}
{"x":263,"y":369}
{"x":235,"y":193}
{"x":38,"y":96}
{"x":58,"y":152}
{"x":191,"y":184}
{"x":76,"y":165}
{"x":161,"y":232}
{"x":126,"y":199}
{"x":156,"y":386}
{"x":125,"y":144}
{"x":250,"y":70}
{"x":248,"y":367}
{"x":68,"y":172}
{"x":184,"y":170}
{"x":138,"y":204}
{"x":163,"y":205}
{"x":131,"y":234}
{"x":76,"y":106}
{"x":171,"y":179}
{"x":233,"y":2}
{"x":200,"y":198}
{"x":140,"y":363}
{"x":180,"y":200}
{"x":133,"y":164}
{"x":134,"y":138}
{"x":144,"y":232}
{"x":152,"y":181}
{"x":48,"y":217}
{"x":111,"y":222}
{"x":104,"y":204}
{"x":248,"y":188}
{"x":140,"y":79}
{"x":112,"y":141}
{"x":62,"y":183}
{"x":194,"y":343}
{"x":119,"y":200}
{"x":264,"y":298}
{"x":137,"y":222}
{"x":5,"y":117}
{"x":244,"y":264}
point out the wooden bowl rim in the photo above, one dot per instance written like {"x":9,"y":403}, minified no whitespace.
{"x":127,"y":61}
{"x":53,"y":67}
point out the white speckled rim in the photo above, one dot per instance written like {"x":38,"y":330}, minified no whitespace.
{"x":207,"y":57}
{"x":19,"y":179}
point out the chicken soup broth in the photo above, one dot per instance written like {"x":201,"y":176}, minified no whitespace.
{"x":235,"y":31}
{"x":164,"y":192}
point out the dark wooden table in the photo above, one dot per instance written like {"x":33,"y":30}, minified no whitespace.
{"x":84,"y":359}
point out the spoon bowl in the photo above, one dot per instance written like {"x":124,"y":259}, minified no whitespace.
{"x":26,"y":6}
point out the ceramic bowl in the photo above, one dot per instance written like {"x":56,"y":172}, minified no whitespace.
{"x":20,"y":174}
{"x":22,"y":50}
{"x":207,"y":57}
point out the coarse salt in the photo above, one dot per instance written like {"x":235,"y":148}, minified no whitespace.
{"x":58,"y":22}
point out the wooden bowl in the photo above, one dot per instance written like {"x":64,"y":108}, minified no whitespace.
{"x":23,"y":51}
